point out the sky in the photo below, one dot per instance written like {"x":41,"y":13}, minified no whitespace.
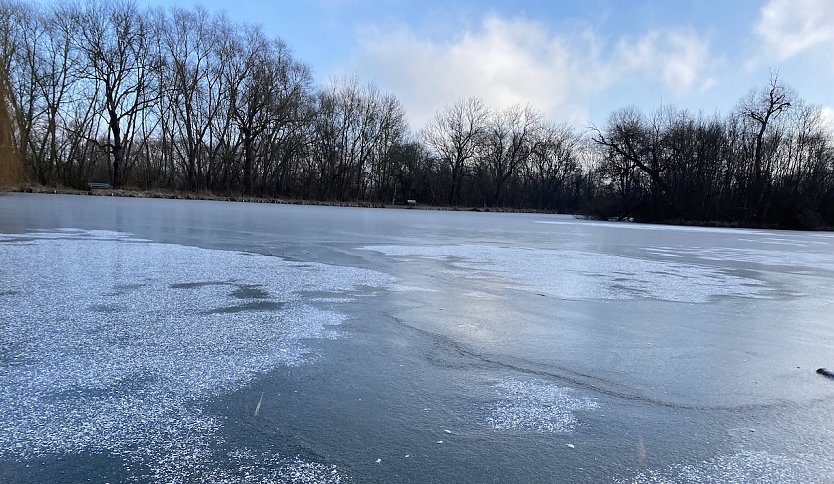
{"x":576,"y":61}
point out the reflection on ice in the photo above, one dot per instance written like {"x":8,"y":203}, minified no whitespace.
{"x":537,"y":406}
{"x":99,"y":354}
{"x":570,"y":274}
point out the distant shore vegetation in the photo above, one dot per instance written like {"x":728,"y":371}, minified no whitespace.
{"x":187,"y":100}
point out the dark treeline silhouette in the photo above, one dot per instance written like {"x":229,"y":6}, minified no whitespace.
{"x":770,"y":162}
{"x":190,"y":101}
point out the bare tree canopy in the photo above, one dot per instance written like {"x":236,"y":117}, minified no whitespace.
{"x":188,"y":100}
{"x":456,"y":136}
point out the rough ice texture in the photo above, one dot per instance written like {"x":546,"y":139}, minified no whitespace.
{"x":536,"y":406}
{"x":741,"y":468}
{"x":111,"y":344}
{"x":785,"y":258}
{"x":570,"y":274}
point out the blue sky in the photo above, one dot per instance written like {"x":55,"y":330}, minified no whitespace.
{"x":574,"y":60}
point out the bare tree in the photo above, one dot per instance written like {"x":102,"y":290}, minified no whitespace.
{"x":10,"y":160}
{"x":552,"y":161}
{"x":509,"y":141}
{"x":194,"y":72}
{"x":391,"y":132}
{"x":355,"y":129}
{"x":114,"y":38}
{"x":763,"y":106}
{"x":55,"y":78}
{"x":631,"y":142}
{"x":21,"y":32}
{"x":290,"y":109}
{"x":11,"y":171}
{"x":455,"y":136}
{"x":266,"y":86}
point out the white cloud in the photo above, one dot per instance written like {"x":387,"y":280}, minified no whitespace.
{"x":509,"y":61}
{"x":679,"y":59}
{"x":790,"y":27}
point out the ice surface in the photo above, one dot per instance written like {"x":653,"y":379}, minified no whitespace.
{"x":662,"y":228}
{"x":784,"y":258}
{"x":536,"y":405}
{"x":260,"y":467}
{"x":112,"y":344}
{"x":742,"y":468}
{"x":402,"y":288}
{"x":571,"y":274}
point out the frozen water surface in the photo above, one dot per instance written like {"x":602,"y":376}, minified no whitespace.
{"x":537,"y":406}
{"x":174,"y":341}
{"x":96,"y":365}
{"x":572,"y":274}
{"x":740,"y":468}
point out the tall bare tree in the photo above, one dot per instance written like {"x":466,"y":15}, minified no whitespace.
{"x":553,"y":161}
{"x":455,"y":135}
{"x":763,"y":107}
{"x":114,"y":39}
{"x":509,"y":141}
{"x":11,"y":171}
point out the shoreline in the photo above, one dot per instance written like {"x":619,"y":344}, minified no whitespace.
{"x":172,"y":195}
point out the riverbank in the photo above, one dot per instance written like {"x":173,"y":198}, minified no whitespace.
{"x":173,"y":195}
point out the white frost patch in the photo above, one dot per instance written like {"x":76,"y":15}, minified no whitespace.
{"x":570,"y":274}
{"x":741,"y":468}
{"x":66,"y":233}
{"x":536,"y":406}
{"x":259,"y":467}
{"x":112,"y":345}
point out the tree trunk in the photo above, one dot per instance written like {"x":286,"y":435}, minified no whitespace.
{"x":11,"y":171}
{"x":248,"y":156}
{"x":117,"y":151}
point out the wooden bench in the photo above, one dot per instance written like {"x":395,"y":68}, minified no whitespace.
{"x":98,"y":186}
{"x":411,"y":202}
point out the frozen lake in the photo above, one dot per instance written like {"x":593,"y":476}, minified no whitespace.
{"x":191,"y":341}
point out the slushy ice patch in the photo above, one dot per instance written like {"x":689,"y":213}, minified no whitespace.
{"x":741,"y":468}
{"x":537,"y":406}
{"x":571,"y":274}
{"x":99,"y":352}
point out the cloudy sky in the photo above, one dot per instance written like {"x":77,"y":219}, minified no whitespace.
{"x":574,"y":60}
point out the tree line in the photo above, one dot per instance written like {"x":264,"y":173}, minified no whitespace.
{"x":188,"y":100}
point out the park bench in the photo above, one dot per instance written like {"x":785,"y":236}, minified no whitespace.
{"x":411,"y":202}
{"x":98,"y":186}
